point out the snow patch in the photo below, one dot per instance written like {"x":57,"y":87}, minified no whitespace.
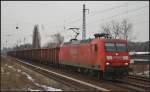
{"x":140,"y":59}
{"x":46,"y":88}
{"x":18,"y":70}
{"x":132,"y":53}
{"x":11,"y":67}
{"x":50,"y":88}
{"x":145,"y":73}
{"x":140,"y":73}
{"x":37,"y":84}
{"x":131,"y":61}
{"x":24,"y":73}
{"x":29,"y":89}
{"x":30,"y":78}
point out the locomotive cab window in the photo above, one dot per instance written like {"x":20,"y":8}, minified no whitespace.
{"x":110,"y":47}
{"x":115,"y":47}
{"x":121,"y":47}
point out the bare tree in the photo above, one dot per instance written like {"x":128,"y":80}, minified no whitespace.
{"x":126,"y":29}
{"x":50,"y":45}
{"x":107,"y":29}
{"x":118,"y":29}
{"x":36,"y":42}
{"x":112,"y":28}
{"x":58,"y":38}
{"x":57,"y":41}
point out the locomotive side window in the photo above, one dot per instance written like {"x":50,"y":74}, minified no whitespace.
{"x":110,"y":47}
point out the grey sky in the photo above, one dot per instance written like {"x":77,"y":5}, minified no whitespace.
{"x":52,"y":16}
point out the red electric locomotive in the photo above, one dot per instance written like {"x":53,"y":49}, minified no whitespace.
{"x":108,"y":58}
{"x":103,"y":57}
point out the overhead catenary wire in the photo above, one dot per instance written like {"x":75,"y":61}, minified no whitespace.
{"x":104,"y":11}
{"x":122,"y":12}
{"x":146,"y":21}
{"x":138,"y":15}
{"x":107,"y":10}
{"x":75,"y":21}
{"x":131,"y":11}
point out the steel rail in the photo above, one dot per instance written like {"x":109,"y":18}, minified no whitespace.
{"x":61,"y":76}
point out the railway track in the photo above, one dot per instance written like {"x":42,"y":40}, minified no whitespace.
{"x":130,"y":83}
{"x":138,"y":78}
{"x":135,"y":83}
{"x":68,"y":81}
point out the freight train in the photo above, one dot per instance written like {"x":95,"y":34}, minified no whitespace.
{"x":105,"y":58}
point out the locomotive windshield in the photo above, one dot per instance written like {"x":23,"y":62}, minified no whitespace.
{"x":115,"y":47}
{"x":121,"y":47}
{"x":110,"y":47}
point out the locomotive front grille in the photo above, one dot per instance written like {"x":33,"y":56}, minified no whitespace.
{"x":118,"y":57}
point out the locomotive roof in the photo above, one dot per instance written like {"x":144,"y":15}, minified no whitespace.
{"x":78,"y":41}
{"x":89,"y":40}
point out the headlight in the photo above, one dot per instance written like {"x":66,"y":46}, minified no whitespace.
{"x":125,"y":57}
{"x":109,"y":57}
{"x":107,"y":63}
{"x":126,"y":64}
